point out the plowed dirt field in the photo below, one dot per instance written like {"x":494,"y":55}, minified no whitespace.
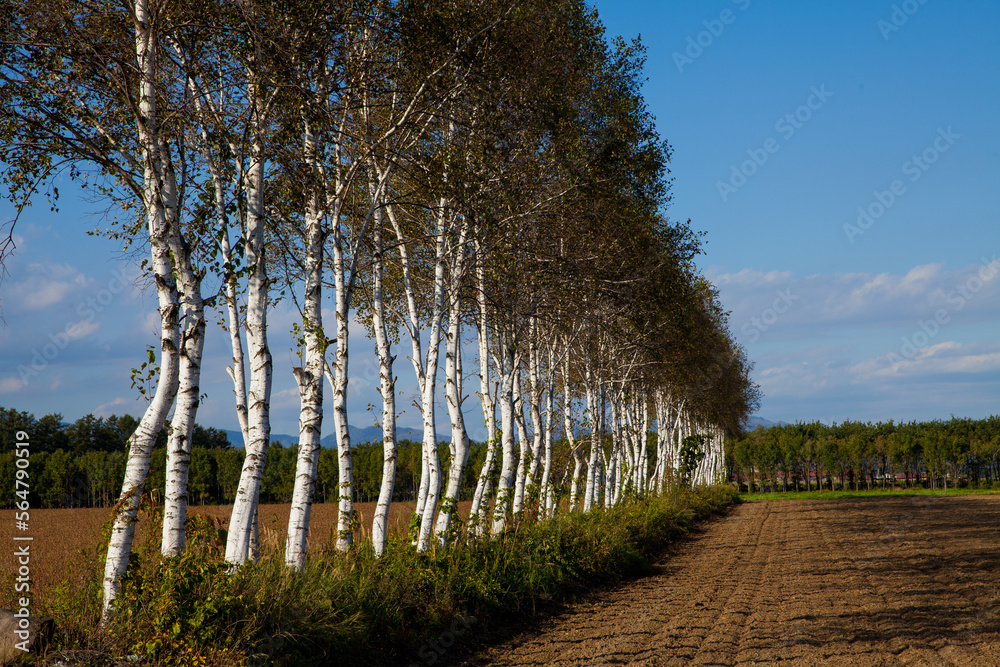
{"x":882,"y":581}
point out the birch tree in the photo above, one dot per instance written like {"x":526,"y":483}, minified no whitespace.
{"x":98,"y":105}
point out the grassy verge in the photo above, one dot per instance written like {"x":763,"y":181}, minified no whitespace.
{"x":353,"y":608}
{"x":874,"y":493}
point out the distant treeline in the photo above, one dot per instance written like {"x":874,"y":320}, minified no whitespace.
{"x":83,"y":465}
{"x":857,"y":455}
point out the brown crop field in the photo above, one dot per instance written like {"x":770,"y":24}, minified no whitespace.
{"x":852,"y":581}
{"x":59,"y":535}
{"x":848,"y":581}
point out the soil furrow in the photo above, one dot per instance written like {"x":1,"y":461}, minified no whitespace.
{"x":879,"y":581}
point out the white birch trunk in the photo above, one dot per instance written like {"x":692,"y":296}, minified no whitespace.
{"x":142,"y":441}
{"x":574,"y":446}
{"x":387,"y":388}
{"x":453,"y":388}
{"x":505,"y":486}
{"x":548,"y":493}
{"x":642,"y":481}
{"x":188,"y":396}
{"x":433,"y":466}
{"x":175,"y":497}
{"x":309,"y":379}
{"x":345,"y":495}
{"x":590,"y":491}
{"x":535,"y":415}
{"x":243,"y":517}
{"x":676,"y":438}
{"x":237,"y":371}
{"x":614,"y":464}
{"x":523,"y":448}
{"x":159,"y":225}
{"x":659,"y":406}
{"x":411,"y":322}
{"x":453,"y":397}
{"x":480,"y":501}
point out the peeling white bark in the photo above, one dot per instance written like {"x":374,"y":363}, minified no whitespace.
{"x":453,"y":388}
{"x":243,"y":517}
{"x":309,"y":379}
{"x":160,"y":227}
{"x":505,"y":486}
{"x":480,"y":501}
{"x":387,"y":388}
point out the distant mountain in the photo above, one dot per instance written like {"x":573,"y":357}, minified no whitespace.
{"x":358,"y":436}
{"x":756,"y":421}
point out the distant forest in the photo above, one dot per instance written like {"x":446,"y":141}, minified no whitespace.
{"x":862,"y":455}
{"x":82,"y":464}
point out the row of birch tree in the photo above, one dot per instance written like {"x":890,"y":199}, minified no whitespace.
{"x":474,"y":178}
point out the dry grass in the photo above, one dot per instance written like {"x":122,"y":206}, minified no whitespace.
{"x":62,"y":534}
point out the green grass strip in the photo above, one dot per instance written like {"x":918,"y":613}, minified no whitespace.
{"x":873,"y":493}
{"x":353,"y":608}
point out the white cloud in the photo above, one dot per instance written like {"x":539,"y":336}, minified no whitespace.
{"x":949,"y":377}
{"x":10,"y":385}
{"x":948,"y":357}
{"x":149,"y":323}
{"x":777,"y":305}
{"x":750,"y":278}
{"x":82,"y":329}
{"x":285,"y":400}
{"x":46,"y":285}
{"x":117,"y":406}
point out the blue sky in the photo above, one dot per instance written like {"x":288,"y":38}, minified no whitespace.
{"x":843,"y":158}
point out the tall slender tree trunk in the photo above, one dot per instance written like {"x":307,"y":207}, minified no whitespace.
{"x":142,"y":441}
{"x":535,"y":391}
{"x":345,"y":495}
{"x":548,"y":493}
{"x":574,"y":445}
{"x":412,"y":324}
{"x":387,"y":388}
{"x":175,"y":498}
{"x":643,"y":479}
{"x":159,"y":224}
{"x":590,"y":493}
{"x":309,"y":379}
{"x":480,"y":501}
{"x":243,"y":518}
{"x":188,"y":396}
{"x":430,"y":450}
{"x":523,"y":448}
{"x":453,"y":398}
{"x":505,"y":487}
{"x":613,"y":473}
